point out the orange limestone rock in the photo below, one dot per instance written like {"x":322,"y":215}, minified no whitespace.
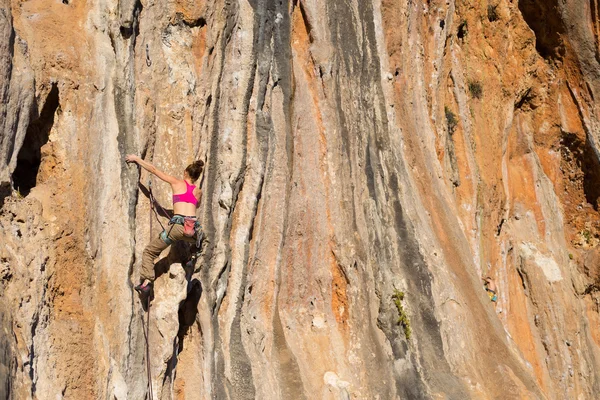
{"x":354,"y":151}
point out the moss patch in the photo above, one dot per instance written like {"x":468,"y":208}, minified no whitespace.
{"x":475,"y":89}
{"x":403,"y":320}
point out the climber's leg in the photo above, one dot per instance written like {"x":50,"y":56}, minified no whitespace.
{"x":177,"y":234}
{"x":151,"y":252}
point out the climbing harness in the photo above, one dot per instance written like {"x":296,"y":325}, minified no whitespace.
{"x":191,"y":226}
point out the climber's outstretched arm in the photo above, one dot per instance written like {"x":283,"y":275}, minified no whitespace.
{"x":151,"y":168}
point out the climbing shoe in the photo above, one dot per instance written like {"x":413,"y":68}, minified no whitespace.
{"x":144,"y":289}
{"x":192,"y":262}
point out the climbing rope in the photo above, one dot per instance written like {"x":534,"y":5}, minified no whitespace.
{"x":146,"y":328}
{"x":152,"y":203}
{"x":148,"y":299}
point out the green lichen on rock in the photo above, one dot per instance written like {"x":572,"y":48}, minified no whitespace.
{"x":403,"y":320}
{"x":451,"y":120}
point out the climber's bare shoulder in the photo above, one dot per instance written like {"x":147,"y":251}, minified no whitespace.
{"x":178,"y":186}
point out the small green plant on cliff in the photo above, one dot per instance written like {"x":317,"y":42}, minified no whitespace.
{"x":451,"y":120}
{"x":475,"y":89}
{"x":403,"y":320}
{"x":587,"y":236}
{"x":492,"y":13}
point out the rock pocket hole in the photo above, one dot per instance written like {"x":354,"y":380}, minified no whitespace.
{"x":30,"y":156}
{"x":462,"y":30}
{"x":5,"y":191}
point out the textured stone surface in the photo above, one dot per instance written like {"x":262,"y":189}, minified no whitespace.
{"x":353,"y":149}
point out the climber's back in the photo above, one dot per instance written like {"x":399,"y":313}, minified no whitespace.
{"x":186,"y":197}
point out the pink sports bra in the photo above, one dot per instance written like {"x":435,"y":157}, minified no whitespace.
{"x":187,"y":197}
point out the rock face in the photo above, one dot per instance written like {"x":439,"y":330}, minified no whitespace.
{"x":357,"y":152}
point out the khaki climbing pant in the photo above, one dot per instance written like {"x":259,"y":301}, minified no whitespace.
{"x":157,"y":245}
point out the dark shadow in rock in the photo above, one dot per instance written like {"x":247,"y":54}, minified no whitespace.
{"x":5,"y":191}
{"x":178,"y":253}
{"x":7,"y":356}
{"x":544,"y":19}
{"x":189,"y":310}
{"x":583,"y":154}
{"x":30,"y":155}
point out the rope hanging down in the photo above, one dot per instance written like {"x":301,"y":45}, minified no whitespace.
{"x":152,"y":203}
{"x":148,"y":299}
{"x":147,"y":336}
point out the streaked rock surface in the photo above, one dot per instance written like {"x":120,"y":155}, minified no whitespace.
{"x":354,"y":150}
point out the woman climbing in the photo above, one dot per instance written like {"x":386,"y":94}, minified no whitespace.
{"x":183,"y":225}
{"x":490,"y":288}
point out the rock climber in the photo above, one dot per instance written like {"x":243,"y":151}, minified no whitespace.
{"x":490,"y":288}
{"x":184,"y":223}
